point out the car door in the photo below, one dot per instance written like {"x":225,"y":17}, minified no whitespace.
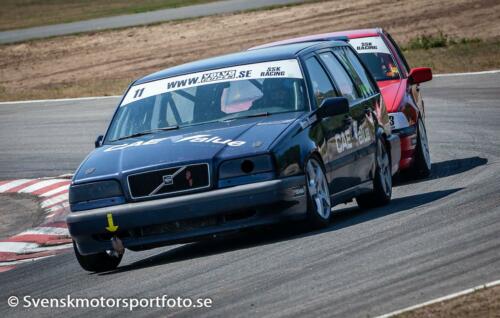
{"x":337,"y":152}
{"x":362,"y":112}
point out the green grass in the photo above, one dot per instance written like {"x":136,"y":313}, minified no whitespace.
{"x":438,"y":40}
{"x":15,"y":14}
{"x":457,"y":56}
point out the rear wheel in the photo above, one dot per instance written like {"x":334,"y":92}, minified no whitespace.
{"x":100,"y":262}
{"x":382,"y":183}
{"x":318,"y":201}
{"x":422,"y":165}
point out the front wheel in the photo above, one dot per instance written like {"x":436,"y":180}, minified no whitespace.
{"x":100,"y":262}
{"x":382,"y":183}
{"x":318,"y":201}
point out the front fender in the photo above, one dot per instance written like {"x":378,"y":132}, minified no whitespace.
{"x":298,"y":144}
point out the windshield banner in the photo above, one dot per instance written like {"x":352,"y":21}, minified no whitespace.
{"x":273,"y":69}
{"x":373,"y":44}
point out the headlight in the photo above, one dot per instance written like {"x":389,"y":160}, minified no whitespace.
{"x":95,"y":195}
{"x":246,"y":170}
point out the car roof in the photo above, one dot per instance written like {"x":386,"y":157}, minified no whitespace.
{"x":274,"y":53}
{"x":350,"y":34}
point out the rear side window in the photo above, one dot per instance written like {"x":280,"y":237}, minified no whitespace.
{"x":340,"y":76}
{"x":357,"y":71}
{"x":398,"y":50}
{"x":321,"y":85}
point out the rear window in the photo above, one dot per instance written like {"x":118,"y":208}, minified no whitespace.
{"x":374,"y":53}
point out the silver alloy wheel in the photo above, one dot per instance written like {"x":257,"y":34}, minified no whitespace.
{"x":384,"y":166}
{"x":424,"y":144}
{"x":318,"y":189}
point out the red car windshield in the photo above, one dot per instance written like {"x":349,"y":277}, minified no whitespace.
{"x":377,"y":57}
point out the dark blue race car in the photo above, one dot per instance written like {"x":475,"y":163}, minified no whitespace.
{"x":232,"y":142}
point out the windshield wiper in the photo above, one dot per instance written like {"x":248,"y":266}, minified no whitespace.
{"x":263,"y":114}
{"x":148,"y":132}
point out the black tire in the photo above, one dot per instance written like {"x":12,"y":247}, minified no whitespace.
{"x":318,"y":194}
{"x":100,"y":262}
{"x":422,"y":164}
{"x":382,"y":183}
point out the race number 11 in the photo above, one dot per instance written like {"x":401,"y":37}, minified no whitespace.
{"x":138,"y":93}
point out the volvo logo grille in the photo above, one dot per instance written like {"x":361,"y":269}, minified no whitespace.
{"x":168,"y":180}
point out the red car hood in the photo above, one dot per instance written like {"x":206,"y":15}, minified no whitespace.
{"x":392,"y":92}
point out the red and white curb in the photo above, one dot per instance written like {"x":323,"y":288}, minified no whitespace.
{"x":49,"y":238}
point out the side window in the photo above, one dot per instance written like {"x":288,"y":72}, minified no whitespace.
{"x":357,"y":71}
{"x":344,"y":82}
{"x":398,"y":51}
{"x":321,"y":85}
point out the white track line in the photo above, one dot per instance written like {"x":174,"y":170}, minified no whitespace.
{"x":57,"y":100}
{"x":27,"y":260}
{"x":438,"y":300}
{"x":469,"y":73}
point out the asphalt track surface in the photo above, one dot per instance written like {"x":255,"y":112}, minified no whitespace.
{"x":438,"y":236}
{"x":129,"y":20}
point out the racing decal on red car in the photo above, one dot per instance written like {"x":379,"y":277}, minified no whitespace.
{"x":373,"y":44}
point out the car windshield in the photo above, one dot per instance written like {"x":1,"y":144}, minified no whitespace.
{"x":377,"y":57}
{"x":218,"y":95}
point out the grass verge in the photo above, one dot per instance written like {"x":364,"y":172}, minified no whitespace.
{"x":15,"y":14}
{"x":459,"y":57}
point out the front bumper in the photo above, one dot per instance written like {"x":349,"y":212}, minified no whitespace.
{"x":148,"y":224}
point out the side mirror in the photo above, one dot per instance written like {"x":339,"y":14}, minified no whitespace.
{"x":420,"y":74}
{"x":98,"y":141}
{"x":333,"y":106}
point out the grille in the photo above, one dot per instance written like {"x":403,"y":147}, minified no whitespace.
{"x":169,"y":180}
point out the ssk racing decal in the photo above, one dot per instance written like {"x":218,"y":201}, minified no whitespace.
{"x":373,"y":44}
{"x":274,"y":69}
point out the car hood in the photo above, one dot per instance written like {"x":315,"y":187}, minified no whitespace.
{"x":392,"y":93}
{"x":210,"y":143}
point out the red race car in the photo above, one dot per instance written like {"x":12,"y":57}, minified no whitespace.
{"x":400,"y":89}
